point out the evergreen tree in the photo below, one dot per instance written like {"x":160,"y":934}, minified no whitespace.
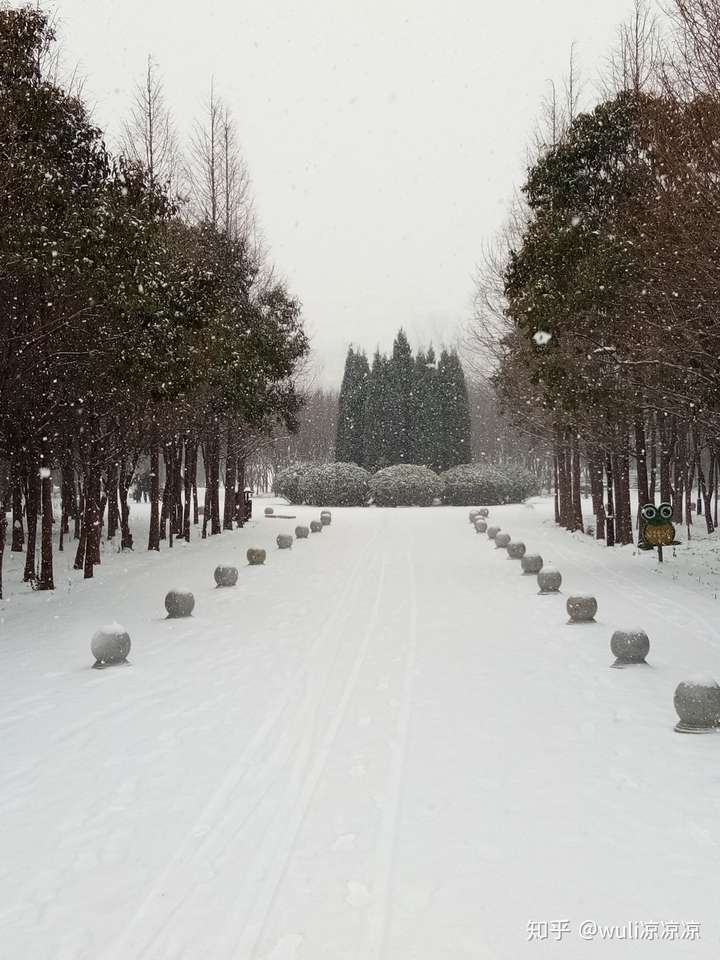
{"x":453,"y":413}
{"x":401,"y":379}
{"x":376,"y":426}
{"x":426,"y":409}
{"x":350,"y":439}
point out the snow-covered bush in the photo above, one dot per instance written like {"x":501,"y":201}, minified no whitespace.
{"x":483,"y":483}
{"x":334,"y":485}
{"x":286,"y":483}
{"x":405,"y":485}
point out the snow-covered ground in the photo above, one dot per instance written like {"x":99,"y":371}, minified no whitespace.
{"x":382,"y":744}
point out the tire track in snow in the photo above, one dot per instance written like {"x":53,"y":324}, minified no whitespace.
{"x":209,"y":828}
{"x":273,"y":871}
{"x":374,"y":944}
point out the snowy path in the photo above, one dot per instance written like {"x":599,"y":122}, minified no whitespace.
{"x":383,"y":744}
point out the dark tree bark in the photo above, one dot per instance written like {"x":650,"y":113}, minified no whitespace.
{"x":230,"y":479}
{"x":112,"y":500}
{"x":46,"y":581}
{"x":3,"y":532}
{"x":124,"y":481}
{"x":610,"y":510}
{"x":32,"y":503}
{"x":577,"y":519}
{"x":154,"y":534}
{"x":641,"y":462}
{"x":18,"y":529}
{"x":595,"y":469}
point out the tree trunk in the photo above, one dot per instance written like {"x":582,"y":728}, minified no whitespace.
{"x":31,"y":506}
{"x":124,"y":482}
{"x":154,"y":534}
{"x":46,"y":581}
{"x":577,"y":520}
{"x":610,"y":515}
{"x":18,"y":530}
{"x":215,"y":521}
{"x":112,"y":498}
{"x":229,"y":505}
{"x":595,"y":470}
{"x":641,"y":462}
{"x":3,"y":530}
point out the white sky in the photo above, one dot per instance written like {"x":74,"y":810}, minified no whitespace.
{"x":385,"y":138}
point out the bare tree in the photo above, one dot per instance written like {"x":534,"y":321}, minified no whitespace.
{"x":149,"y":136}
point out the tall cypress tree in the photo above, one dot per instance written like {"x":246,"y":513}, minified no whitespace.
{"x":349,"y":441}
{"x":376,"y":449}
{"x":454,"y":413}
{"x":401,"y":371}
{"x":426,"y":408}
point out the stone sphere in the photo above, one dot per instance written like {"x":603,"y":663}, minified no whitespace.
{"x":480,"y":526}
{"x":326,"y":518}
{"x":629,"y":646}
{"x":697,"y":703}
{"x":483,"y":512}
{"x":502,"y":540}
{"x":315,"y":526}
{"x":492,"y":532}
{"x":549,"y":580}
{"x":110,"y":645}
{"x":179,"y":603}
{"x":226,"y":576}
{"x":302,"y":533}
{"x":256,"y":556}
{"x":284,"y":541}
{"x":473,"y":515}
{"x":581,"y":608}
{"x":269,"y":511}
{"x":516,"y":550}
{"x":531,"y":563}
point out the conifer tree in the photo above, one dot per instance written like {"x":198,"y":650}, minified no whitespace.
{"x":400,"y":399}
{"x":350,"y":440}
{"x":376,"y":427}
{"x":454,"y":413}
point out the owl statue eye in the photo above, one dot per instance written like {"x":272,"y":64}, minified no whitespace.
{"x":649,"y":512}
{"x":665,"y":511}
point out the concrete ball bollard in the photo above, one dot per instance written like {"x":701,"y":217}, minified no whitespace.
{"x":179,"y":603}
{"x":225,"y":575}
{"x":697,"y":702}
{"x":582,"y":608}
{"x":315,"y":526}
{"x":480,"y":526}
{"x":473,"y":515}
{"x":549,"y":580}
{"x":256,"y":556}
{"x":629,"y":647}
{"x":284,"y":541}
{"x":110,"y":645}
{"x":269,"y":511}
{"x":302,"y":533}
{"x":492,"y":532}
{"x":326,"y":518}
{"x":484,"y":513}
{"x":502,"y":540}
{"x":516,"y":550}
{"x":532,"y":563}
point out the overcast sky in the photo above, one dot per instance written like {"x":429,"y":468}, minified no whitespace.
{"x":385,"y":138}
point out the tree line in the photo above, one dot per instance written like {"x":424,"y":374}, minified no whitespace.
{"x":139,"y":316}
{"x":597,"y":308}
{"x":403,"y":409}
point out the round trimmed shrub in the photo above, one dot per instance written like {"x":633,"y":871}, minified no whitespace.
{"x":179,"y":603}
{"x":405,"y":485}
{"x":472,"y":483}
{"x":335,"y":485}
{"x":286,"y":483}
{"x":110,"y":645}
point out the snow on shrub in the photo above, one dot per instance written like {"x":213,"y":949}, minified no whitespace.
{"x":334,"y":485}
{"x":480,"y":483}
{"x":405,"y":485}
{"x":286,"y":483}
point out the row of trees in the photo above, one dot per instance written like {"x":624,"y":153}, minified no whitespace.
{"x":598,"y":308}
{"x":403,"y":409}
{"x":134,"y":323}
